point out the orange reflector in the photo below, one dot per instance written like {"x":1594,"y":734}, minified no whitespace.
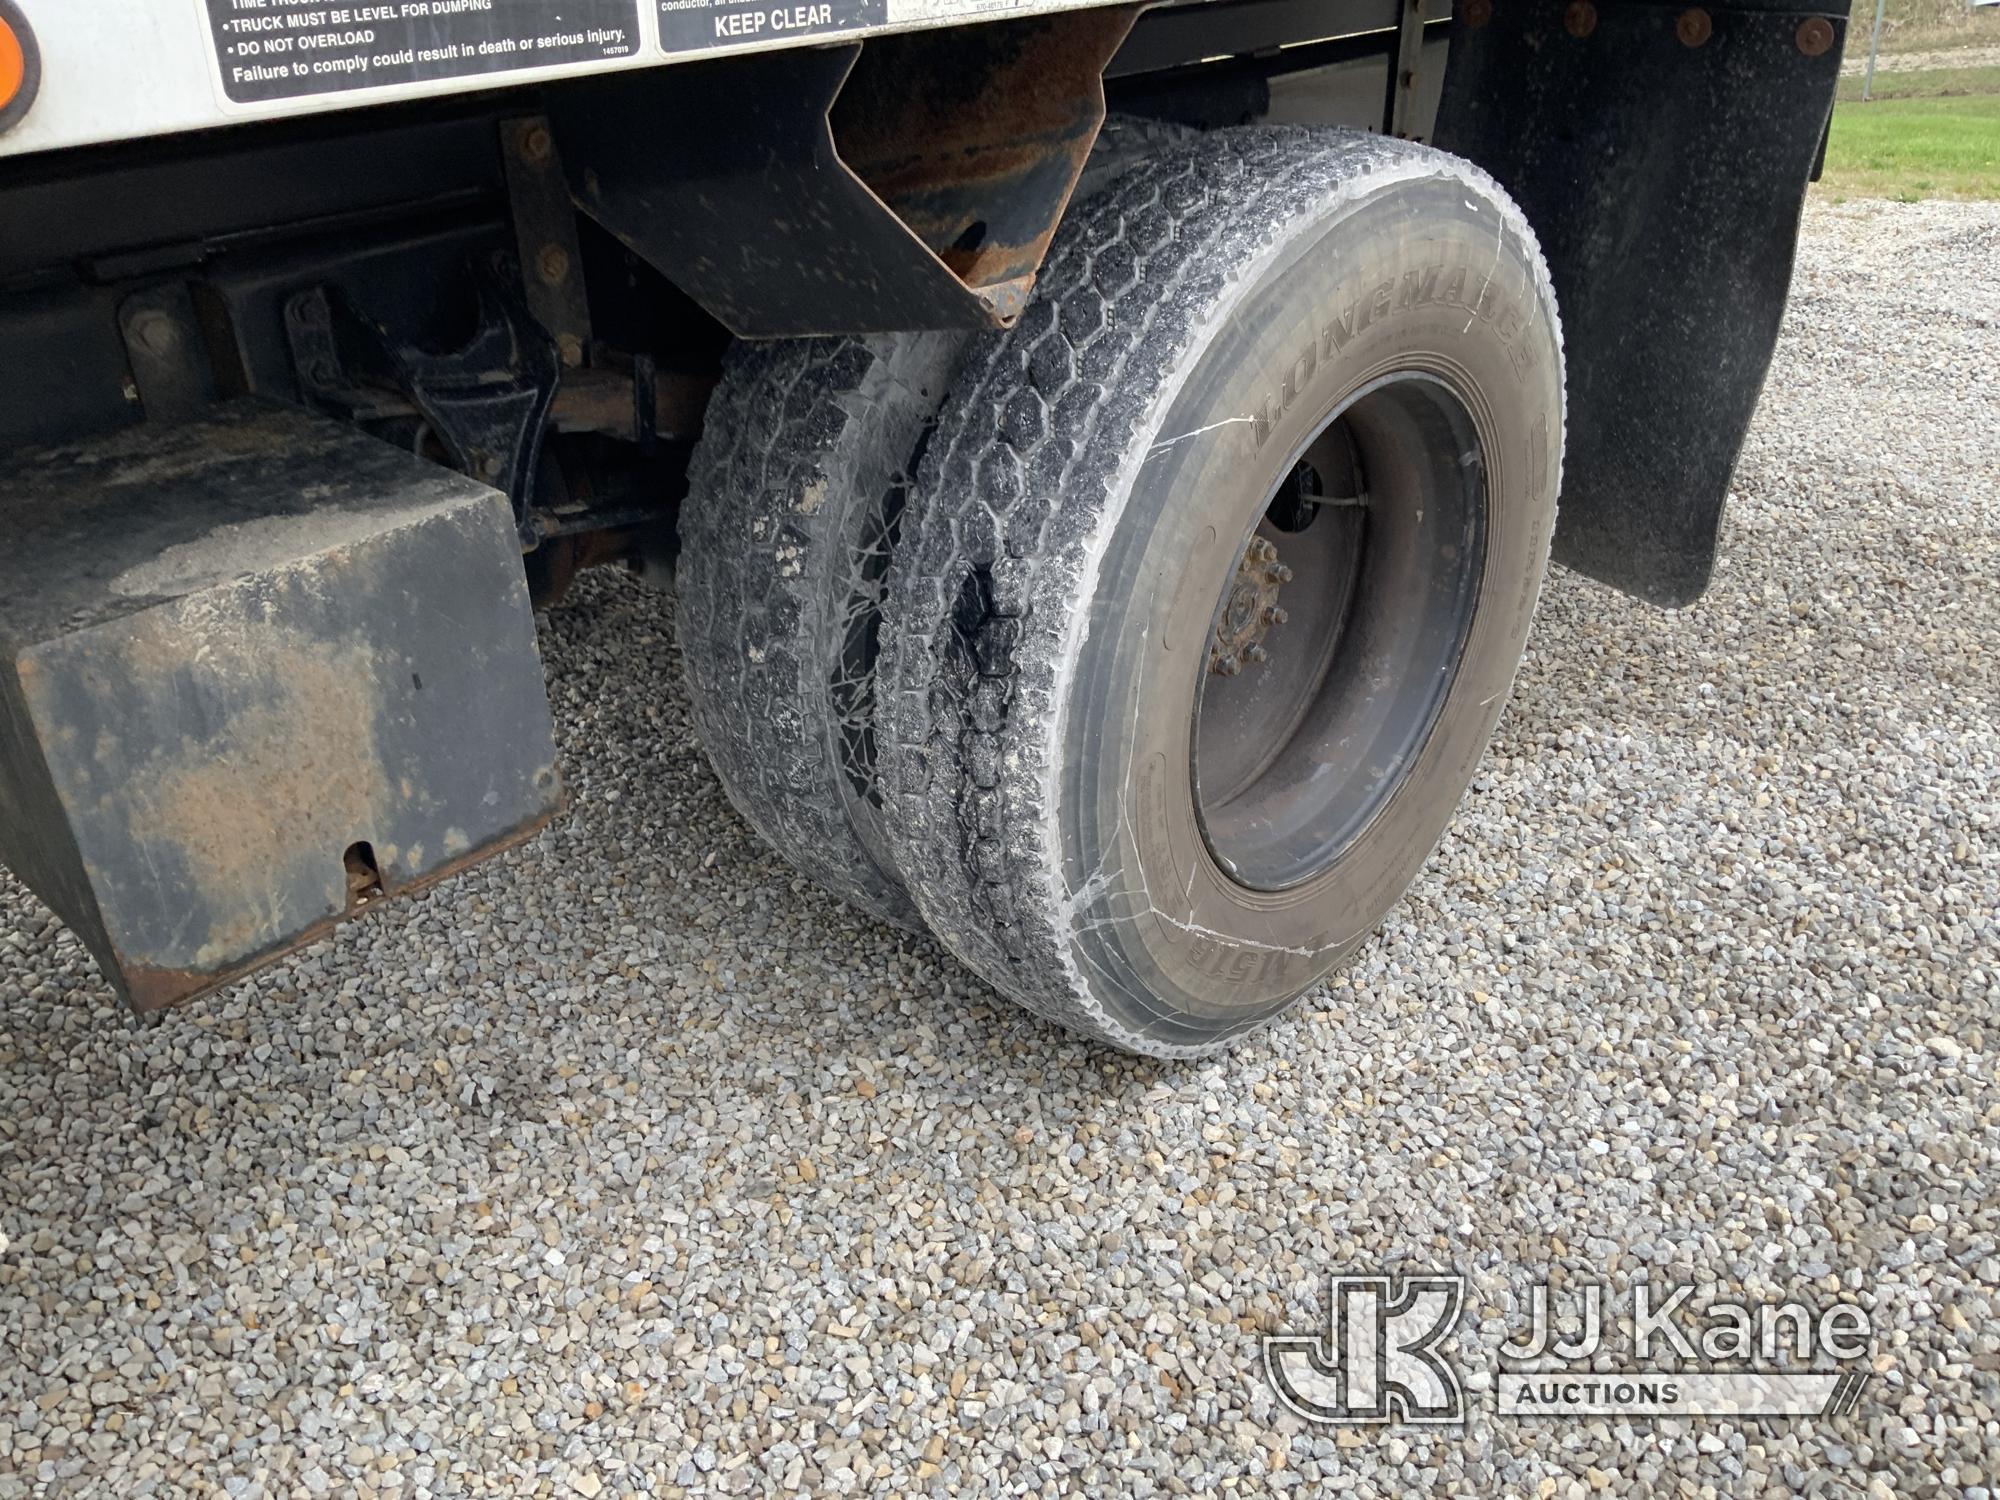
{"x":13,"y":64}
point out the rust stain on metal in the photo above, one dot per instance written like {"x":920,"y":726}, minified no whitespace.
{"x":598,"y":400}
{"x":1815,"y":35}
{"x":980,"y":171}
{"x":572,"y":552}
{"x":364,"y":880}
{"x":154,"y":989}
{"x":545,"y":236}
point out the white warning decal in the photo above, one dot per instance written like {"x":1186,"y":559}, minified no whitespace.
{"x":283,"y":49}
{"x":694,"y":25}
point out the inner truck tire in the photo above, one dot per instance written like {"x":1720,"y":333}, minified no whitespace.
{"x":794,"y":494}
{"x":1218,"y":572}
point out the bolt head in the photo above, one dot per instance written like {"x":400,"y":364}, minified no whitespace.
{"x":1815,"y":35}
{"x":1580,"y":20}
{"x":156,"y":331}
{"x":1227,"y":666}
{"x":1257,"y":654}
{"x":1694,"y":27}
{"x":536,"y":143}
{"x":553,"y":264}
{"x":1275,"y":615}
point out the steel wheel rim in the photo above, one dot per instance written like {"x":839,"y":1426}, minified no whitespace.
{"x":1338,"y":631}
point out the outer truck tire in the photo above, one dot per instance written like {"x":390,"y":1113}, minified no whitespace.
{"x":1218,"y":572}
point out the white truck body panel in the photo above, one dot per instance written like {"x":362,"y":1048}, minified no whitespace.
{"x":117,"y":70}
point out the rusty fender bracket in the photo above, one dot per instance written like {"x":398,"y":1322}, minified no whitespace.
{"x":258,"y":670}
{"x":906,"y":182}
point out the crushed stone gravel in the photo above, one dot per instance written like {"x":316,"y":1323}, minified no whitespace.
{"x":629,"y":1164}
{"x":1854,"y":62}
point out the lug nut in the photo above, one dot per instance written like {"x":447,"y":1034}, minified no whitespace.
{"x":1228,"y":666}
{"x":1275,"y":616}
{"x":1257,"y":655}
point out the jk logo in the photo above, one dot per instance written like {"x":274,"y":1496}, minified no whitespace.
{"x":1377,"y":1361}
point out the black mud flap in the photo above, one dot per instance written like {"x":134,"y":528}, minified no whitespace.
{"x":1662,"y":154}
{"x":258,"y":671}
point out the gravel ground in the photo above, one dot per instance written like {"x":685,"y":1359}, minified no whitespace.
{"x":628,"y":1163}
{"x":1855,"y":60}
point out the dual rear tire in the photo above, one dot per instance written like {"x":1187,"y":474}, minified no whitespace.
{"x":795,"y":495}
{"x":1205,"y":584}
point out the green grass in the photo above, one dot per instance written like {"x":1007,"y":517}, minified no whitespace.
{"x":1912,"y":148}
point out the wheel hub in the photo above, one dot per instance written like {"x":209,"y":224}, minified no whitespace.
{"x":1381,"y":517}
{"x":1249,"y":610}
